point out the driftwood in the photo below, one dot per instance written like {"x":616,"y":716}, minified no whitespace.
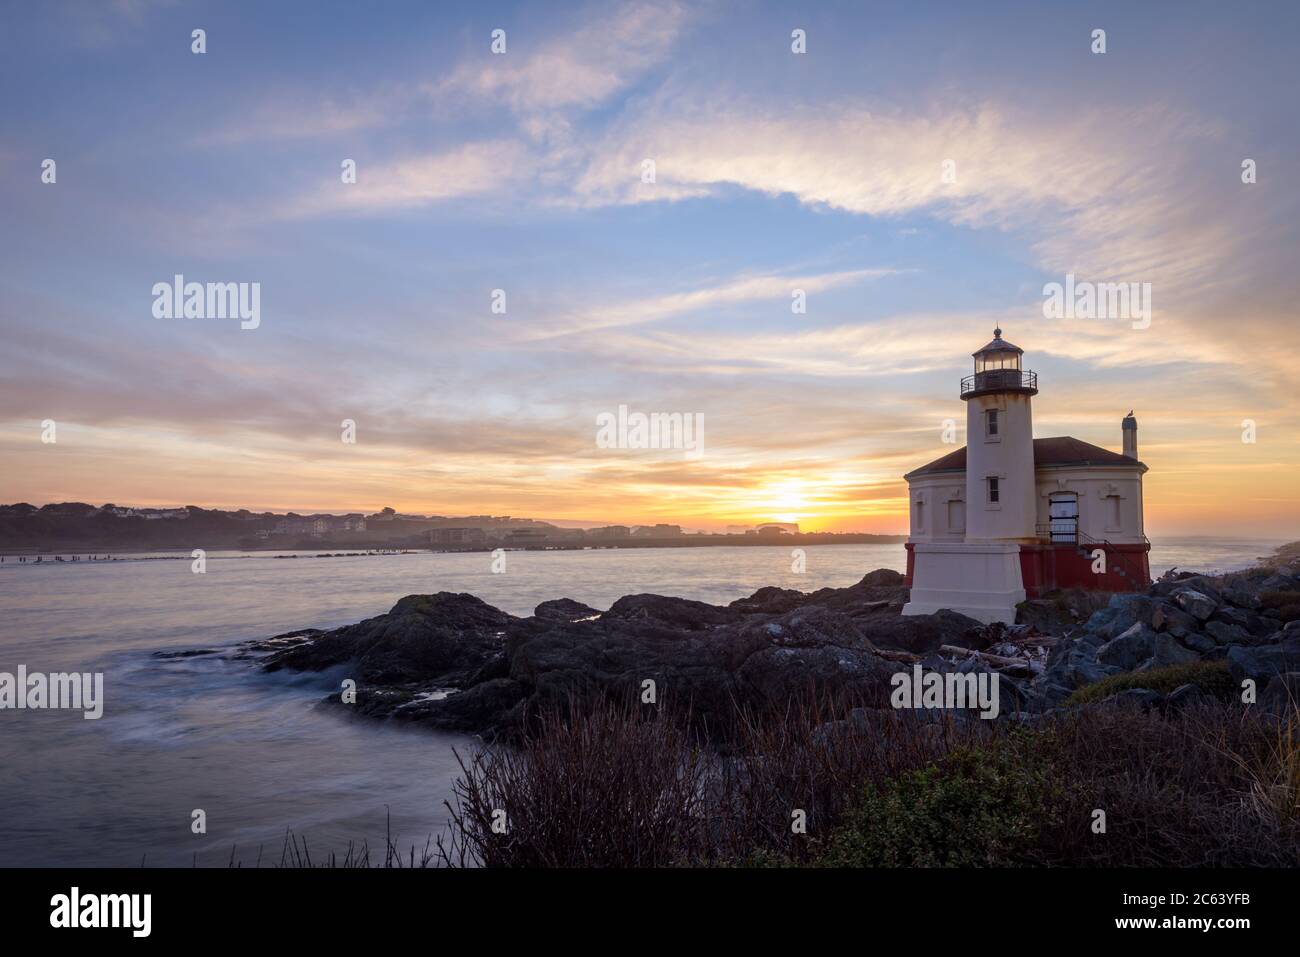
{"x":997,"y":661}
{"x":895,"y":654}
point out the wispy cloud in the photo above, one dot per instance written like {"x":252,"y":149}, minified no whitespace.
{"x":607,"y":50}
{"x":742,"y":289}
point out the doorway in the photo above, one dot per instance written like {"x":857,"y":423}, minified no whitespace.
{"x":1063,"y":515}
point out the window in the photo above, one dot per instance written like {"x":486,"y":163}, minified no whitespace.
{"x":993,"y":490}
{"x":920,"y":516}
{"x":991,"y":422}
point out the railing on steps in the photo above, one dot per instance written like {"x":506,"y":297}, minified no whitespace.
{"x":1084,"y":544}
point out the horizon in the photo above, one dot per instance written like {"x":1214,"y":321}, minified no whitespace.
{"x":775,"y":174}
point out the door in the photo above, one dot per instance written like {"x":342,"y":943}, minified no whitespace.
{"x":1063,"y":515}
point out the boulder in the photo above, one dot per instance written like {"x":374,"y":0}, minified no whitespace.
{"x":1127,"y":650}
{"x":1261,"y":663}
{"x":1195,"y":603}
{"x":922,"y":634}
{"x":444,"y":638}
{"x":1166,"y":651}
{"x":1199,"y":643}
{"x":1169,"y":617}
{"x":564,"y":609}
{"x":1226,"y":634}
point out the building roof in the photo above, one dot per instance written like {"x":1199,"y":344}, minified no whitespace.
{"x":998,"y":344}
{"x":1059,"y":451}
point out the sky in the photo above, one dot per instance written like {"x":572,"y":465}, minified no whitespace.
{"x":920,"y":173}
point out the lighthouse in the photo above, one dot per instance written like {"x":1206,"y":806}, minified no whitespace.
{"x":1000,"y":446}
{"x":1010,"y":517}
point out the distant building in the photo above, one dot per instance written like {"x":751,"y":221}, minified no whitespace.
{"x":456,"y":536}
{"x":657,"y":531}
{"x":609,"y":531}
{"x":777,"y":528}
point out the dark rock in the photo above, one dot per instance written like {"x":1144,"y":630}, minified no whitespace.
{"x":444,"y":637}
{"x":1166,"y":651}
{"x":1129,"y":649}
{"x":922,"y":634}
{"x":564,"y":609}
{"x":485,"y":706}
{"x":1226,"y":634}
{"x":1263,"y":662}
{"x":1058,"y":613}
{"x":1130,"y":610}
{"x":1196,"y":603}
{"x":1171,"y":618}
{"x":681,"y":614}
{"x":1199,"y":643}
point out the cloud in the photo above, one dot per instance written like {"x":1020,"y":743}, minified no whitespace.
{"x":472,"y":169}
{"x":580,"y":69}
{"x":741,"y":289}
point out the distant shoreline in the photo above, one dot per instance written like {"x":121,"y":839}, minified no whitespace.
{"x":684,"y":541}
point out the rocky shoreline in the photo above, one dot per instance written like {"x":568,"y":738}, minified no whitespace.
{"x":452,"y":662}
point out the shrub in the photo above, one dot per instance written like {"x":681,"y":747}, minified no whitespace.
{"x":978,"y":807}
{"x":1210,"y":676}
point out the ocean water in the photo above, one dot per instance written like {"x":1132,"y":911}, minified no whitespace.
{"x":254,"y":751}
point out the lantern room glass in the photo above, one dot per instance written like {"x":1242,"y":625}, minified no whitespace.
{"x":994,"y":361}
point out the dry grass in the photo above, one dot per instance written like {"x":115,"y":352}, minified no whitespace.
{"x":624,"y":785}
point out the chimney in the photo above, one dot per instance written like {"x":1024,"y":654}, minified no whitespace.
{"x":1130,"y":428}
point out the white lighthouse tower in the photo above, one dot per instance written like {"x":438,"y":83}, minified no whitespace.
{"x":980,"y":575}
{"x":1002,"y":501}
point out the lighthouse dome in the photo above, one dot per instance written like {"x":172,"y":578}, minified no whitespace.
{"x":997,"y":369}
{"x":999,"y":345}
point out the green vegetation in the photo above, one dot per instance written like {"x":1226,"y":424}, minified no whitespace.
{"x":1210,"y":676}
{"x":978,"y":807}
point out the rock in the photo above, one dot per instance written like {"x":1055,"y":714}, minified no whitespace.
{"x":1195,"y":603}
{"x":1199,"y":643}
{"x":1171,"y":618}
{"x":921,"y":634}
{"x":1128,"y":649}
{"x":1059,"y":612}
{"x":1263,"y":662}
{"x":1226,"y":634}
{"x":444,"y":637}
{"x":485,"y":706}
{"x":1130,"y":610}
{"x":564,"y":609}
{"x":1167,"y":651}
{"x":681,"y":614}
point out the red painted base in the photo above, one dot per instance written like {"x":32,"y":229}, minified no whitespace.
{"x":1047,"y":567}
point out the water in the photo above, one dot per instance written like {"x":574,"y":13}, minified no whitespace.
{"x":253,"y":750}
